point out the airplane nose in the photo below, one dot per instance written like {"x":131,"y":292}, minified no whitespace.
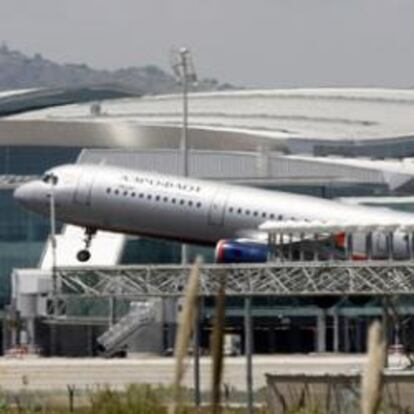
{"x":31,"y":195}
{"x":23,"y":193}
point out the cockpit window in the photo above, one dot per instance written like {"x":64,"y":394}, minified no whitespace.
{"x":50,"y":179}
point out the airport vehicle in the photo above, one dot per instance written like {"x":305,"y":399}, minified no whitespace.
{"x":99,"y":197}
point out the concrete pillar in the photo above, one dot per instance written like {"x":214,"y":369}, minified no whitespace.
{"x":315,"y":248}
{"x":281,"y":248}
{"x":390,"y":245}
{"x":358,"y":334}
{"x":272,"y":339}
{"x":331,"y":247}
{"x":290,"y":252}
{"x":302,"y":250}
{"x":170,"y":317}
{"x":262,"y":162}
{"x":368,"y":245}
{"x":349,"y":246}
{"x":321,"y":331}
{"x":347,"y":344}
{"x":5,"y":335}
{"x":271,"y":241}
{"x":335,"y":316}
{"x":31,"y":338}
{"x":89,"y":335}
{"x":412,"y":246}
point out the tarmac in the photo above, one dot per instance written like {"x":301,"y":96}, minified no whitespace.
{"x":47,"y":374}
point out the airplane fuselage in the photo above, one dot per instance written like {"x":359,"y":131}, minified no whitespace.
{"x":178,"y":208}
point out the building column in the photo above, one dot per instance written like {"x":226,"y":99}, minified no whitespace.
{"x":346,"y":334}
{"x":321,"y":331}
{"x":335,"y":316}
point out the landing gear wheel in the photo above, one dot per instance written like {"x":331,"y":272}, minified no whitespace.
{"x":83,"y":255}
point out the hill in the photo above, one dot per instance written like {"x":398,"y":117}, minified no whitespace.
{"x":19,"y":71}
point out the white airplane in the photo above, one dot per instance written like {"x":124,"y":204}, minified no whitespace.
{"x":100,"y":197}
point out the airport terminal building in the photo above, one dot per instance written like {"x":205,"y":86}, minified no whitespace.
{"x":328,"y":142}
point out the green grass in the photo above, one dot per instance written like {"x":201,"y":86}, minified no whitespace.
{"x":136,"y":399}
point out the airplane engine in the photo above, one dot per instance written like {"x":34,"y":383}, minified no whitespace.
{"x":233,"y":251}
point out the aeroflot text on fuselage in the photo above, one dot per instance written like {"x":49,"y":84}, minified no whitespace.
{"x":156,"y":182}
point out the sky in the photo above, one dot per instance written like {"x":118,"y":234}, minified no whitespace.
{"x":252,"y":43}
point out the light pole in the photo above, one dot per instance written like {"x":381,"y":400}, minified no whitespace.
{"x":183,"y":68}
{"x":53,"y":230}
{"x":55,"y":300}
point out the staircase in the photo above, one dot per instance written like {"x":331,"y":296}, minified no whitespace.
{"x":114,"y":339}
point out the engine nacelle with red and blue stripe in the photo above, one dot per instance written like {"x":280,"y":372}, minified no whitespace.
{"x":234,"y":251}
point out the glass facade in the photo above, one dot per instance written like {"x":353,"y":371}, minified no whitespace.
{"x":22,"y":237}
{"x":32,"y":160}
{"x":23,"y":234}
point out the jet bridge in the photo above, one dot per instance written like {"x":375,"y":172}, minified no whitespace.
{"x":312,"y":278}
{"x":283,"y":235}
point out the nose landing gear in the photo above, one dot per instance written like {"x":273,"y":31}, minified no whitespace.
{"x":84,"y":255}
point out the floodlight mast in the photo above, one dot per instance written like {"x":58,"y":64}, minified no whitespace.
{"x":184,"y":71}
{"x":55,"y":292}
{"x":183,"y":68}
{"x":52,"y":218}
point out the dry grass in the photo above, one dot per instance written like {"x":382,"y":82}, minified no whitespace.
{"x":185,"y":330}
{"x":372,"y":377}
{"x":217,"y":346}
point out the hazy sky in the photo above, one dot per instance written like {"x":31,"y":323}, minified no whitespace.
{"x":269,"y":43}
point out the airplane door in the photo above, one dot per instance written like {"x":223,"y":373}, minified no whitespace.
{"x":217,"y":208}
{"x":84,"y":190}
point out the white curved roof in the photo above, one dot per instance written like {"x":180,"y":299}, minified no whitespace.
{"x":311,"y":114}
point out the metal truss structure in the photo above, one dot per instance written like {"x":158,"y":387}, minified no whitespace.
{"x":271,"y":279}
